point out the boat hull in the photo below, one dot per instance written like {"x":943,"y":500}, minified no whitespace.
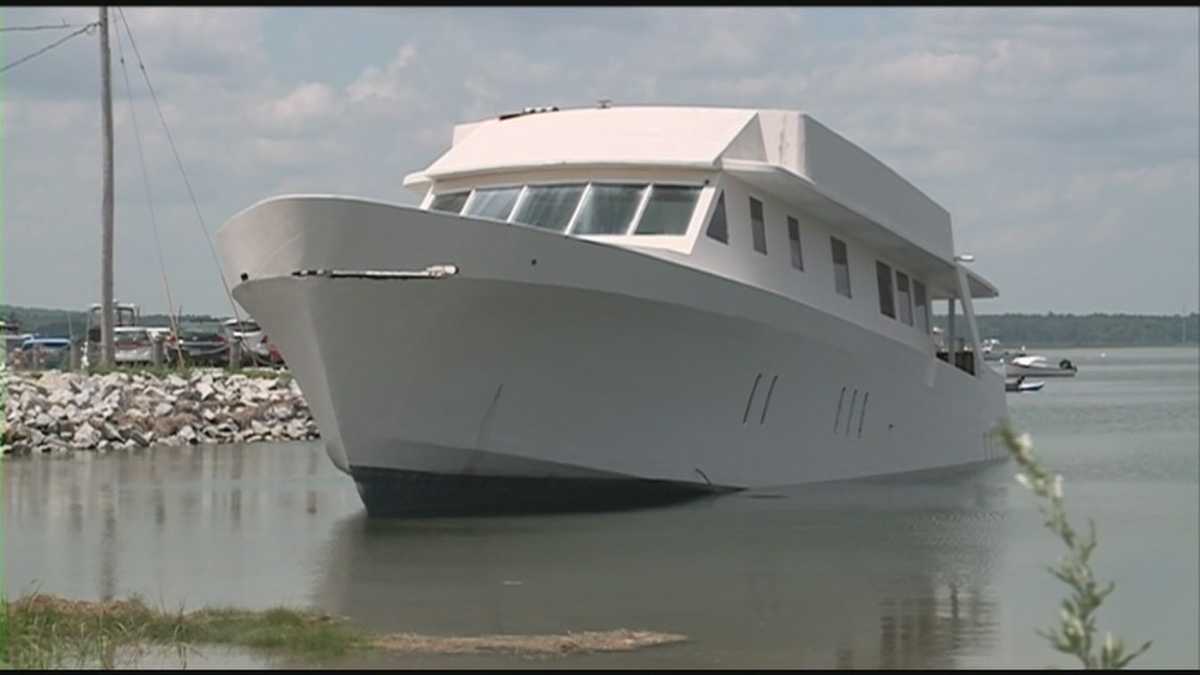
{"x":552,"y":373}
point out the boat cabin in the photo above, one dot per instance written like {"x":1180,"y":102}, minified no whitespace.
{"x":768,"y":198}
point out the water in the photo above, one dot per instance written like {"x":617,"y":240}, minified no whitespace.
{"x":932,"y":571}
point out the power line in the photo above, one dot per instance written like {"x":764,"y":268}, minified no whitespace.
{"x":47,"y":48}
{"x":179,"y":162}
{"x":61,"y":26}
{"x":137,"y":134}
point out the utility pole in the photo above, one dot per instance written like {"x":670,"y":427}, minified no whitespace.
{"x":108,"y":357}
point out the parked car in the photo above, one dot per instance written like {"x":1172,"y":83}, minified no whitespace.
{"x":12,"y":346}
{"x":204,"y":344}
{"x":131,"y":345}
{"x":42,"y":352}
{"x":256,"y":347}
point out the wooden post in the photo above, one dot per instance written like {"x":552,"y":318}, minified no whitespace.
{"x":106,"y":238}
{"x":235,"y":354}
{"x":156,"y":351}
{"x":76,"y":356}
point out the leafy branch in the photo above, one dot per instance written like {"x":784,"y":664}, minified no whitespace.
{"x":1075,"y":633}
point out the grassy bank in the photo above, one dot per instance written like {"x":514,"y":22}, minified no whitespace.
{"x":49,"y":632}
{"x":45,"y":631}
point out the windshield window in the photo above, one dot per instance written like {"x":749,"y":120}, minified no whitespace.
{"x":585,"y":208}
{"x":129,"y":337}
{"x":669,"y":210}
{"x":609,"y":209}
{"x":549,"y":206}
{"x":450,"y":202}
{"x":495,"y":203}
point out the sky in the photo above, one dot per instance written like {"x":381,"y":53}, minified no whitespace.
{"x":1065,"y":142}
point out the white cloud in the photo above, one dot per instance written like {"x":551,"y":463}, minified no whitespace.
{"x":925,"y":69}
{"x":386,"y":84}
{"x":305,"y":109}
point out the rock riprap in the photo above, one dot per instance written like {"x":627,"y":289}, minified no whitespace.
{"x":61,"y":411}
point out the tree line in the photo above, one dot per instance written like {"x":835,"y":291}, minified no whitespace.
{"x":1087,"y":330}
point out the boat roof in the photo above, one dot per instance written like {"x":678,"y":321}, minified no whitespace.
{"x":633,"y":136}
{"x":783,"y":152}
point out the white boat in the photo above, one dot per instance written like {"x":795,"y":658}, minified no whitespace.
{"x":991,"y":350}
{"x":1019,"y":385}
{"x":1034,"y":364}
{"x":623,"y":305}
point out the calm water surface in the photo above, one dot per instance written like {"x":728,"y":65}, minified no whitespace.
{"x":934,"y":571}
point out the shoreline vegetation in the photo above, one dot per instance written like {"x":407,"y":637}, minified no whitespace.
{"x":1071,"y":331}
{"x":42,"y":631}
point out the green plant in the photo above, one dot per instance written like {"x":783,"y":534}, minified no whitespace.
{"x":47,"y":631}
{"x":1077,"y":625}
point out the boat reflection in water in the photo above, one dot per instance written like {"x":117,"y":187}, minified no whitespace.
{"x":890,"y":573}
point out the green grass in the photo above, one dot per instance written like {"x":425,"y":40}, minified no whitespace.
{"x":50,"y":632}
{"x":4,"y":659}
{"x":47,"y":631}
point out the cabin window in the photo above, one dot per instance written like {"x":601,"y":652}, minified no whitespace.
{"x":794,"y":238}
{"x":608,"y":209}
{"x":549,"y":206}
{"x":887,"y":303}
{"x":717,"y":227}
{"x":758,"y":226}
{"x":841,"y":266}
{"x":904,"y":298}
{"x":922,"y":306}
{"x":450,"y":202}
{"x":669,"y":209}
{"x":494,"y":203}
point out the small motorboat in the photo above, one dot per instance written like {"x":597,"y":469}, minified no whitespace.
{"x":1038,"y":365}
{"x":1020,"y":385}
{"x":991,"y":349}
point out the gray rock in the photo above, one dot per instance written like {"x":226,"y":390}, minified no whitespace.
{"x":86,"y":436}
{"x":112,"y":433}
{"x":187,"y":434}
{"x":119,"y":410}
